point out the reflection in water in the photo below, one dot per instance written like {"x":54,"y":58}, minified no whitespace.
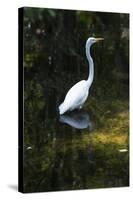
{"x":77,"y":119}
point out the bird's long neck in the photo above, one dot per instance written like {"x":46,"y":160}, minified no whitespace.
{"x":91,"y":66}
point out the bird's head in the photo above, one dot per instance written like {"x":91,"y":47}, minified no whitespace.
{"x":92,"y":40}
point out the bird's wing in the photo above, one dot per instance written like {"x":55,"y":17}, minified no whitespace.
{"x":76,"y":94}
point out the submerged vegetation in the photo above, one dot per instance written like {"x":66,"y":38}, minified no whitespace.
{"x":58,"y":156}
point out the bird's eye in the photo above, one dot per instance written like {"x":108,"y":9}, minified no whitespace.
{"x":93,"y":39}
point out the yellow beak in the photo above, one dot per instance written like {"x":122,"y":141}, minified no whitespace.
{"x":99,"y":39}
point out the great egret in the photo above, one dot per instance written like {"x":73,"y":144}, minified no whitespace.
{"x":77,"y":95}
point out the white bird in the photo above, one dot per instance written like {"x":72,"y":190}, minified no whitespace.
{"x":77,"y":95}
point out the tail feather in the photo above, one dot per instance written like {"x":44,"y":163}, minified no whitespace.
{"x":62,"y":108}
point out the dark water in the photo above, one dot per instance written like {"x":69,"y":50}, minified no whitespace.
{"x":83,"y":149}
{"x":78,"y":150}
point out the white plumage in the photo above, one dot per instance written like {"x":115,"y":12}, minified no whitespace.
{"x":77,"y":95}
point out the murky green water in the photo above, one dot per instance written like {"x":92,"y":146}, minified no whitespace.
{"x":76,"y":154}
{"x":84,"y":149}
